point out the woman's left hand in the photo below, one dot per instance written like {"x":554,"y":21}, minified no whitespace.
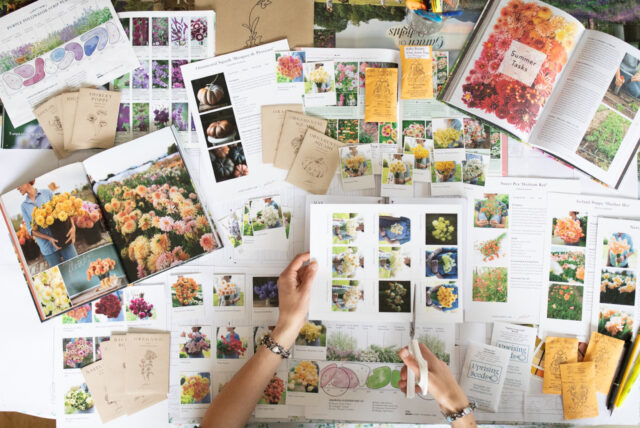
{"x":71,"y":234}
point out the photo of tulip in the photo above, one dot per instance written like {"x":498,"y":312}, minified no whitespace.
{"x":567,"y":265}
{"x":618,"y":251}
{"x":618,"y":287}
{"x":615,"y":323}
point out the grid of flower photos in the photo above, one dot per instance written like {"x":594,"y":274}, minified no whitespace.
{"x":154,"y":94}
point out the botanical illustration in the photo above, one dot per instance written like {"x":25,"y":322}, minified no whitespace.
{"x":253,"y":22}
{"x":146,"y":365}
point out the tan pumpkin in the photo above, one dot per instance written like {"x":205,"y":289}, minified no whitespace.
{"x":210,"y":95}
{"x":220,"y":129}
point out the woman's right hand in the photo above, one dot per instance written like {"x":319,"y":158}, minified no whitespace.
{"x":54,"y":242}
{"x":442,"y":385}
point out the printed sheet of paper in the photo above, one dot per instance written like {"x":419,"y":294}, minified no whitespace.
{"x":315,"y":165}
{"x":69,"y":106}
{"x":417,"y":72}
{"x":49,"y":115}
{"x":483,"y":374}
{"x":95,"y":121}
{"x":520,"y":340}
{"x":605,"y":352}
{"x":356,"y":168}
{"x":96,"y":376}
{"x":272,"y":119}
{"x":381,"y":95}
{"x":373,"y":258}
{"x":576,"y":262}
{"x":147,"y":363}
{"x":506,"y":248}
{"x":558,"y":351}
{"x":579,"y":390}
{"x":92,"y":54}
{"x":294,"y":129}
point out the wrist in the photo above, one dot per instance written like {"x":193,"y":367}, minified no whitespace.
{"x":454,"y":403}
{"x":285,"y":335}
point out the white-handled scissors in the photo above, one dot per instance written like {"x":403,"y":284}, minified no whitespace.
{"x":414,"y":349}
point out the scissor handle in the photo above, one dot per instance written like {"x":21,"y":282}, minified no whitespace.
{"x":414,"y":349}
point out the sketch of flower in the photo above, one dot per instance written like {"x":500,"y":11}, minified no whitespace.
{"x":146,"y":364}
{"x":252,"y":25}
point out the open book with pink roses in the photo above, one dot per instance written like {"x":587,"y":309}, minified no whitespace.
{"x":536,"y":72}
{"x":89,"y":229}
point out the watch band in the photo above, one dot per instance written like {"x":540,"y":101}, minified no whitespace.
{"x":462,"y":413}
{"x":268,"y":342}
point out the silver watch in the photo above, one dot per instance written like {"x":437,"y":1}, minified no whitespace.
{"x":268,"y":342}
{"x":461,"y":414}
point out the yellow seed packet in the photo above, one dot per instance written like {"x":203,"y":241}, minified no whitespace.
{"x":560,"y":350}
{"x":416,"y":82}
{"x":579,"y":390}
{"x":381,"y":95}
{"x":605,"y":352}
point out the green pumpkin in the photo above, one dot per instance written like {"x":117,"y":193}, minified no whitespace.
{"x":223,"y":167}
{"x":237,"y":156}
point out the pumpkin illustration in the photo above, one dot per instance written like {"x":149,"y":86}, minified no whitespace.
{"x":315,"y":167}
{"x":241,"y":170}
{"x":223,"y":167}
{"x":210,"y":95}
{"x":220,"y":129}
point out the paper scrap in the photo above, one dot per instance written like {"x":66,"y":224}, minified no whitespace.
{"x":579,"y":390}
{"x":381,"y":95}
{"x":605,"y":352}
{"x":559,"y":350}
{"x":294,"y":128}
{"x":417,"y":72}
{"x":272,"y":119}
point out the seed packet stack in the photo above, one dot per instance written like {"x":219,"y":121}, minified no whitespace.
{"x":132,"y":375}
{"x":85,"y":119}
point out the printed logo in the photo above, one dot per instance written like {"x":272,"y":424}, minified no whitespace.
{"x":519,"y":353}
{"x":484,"y":372}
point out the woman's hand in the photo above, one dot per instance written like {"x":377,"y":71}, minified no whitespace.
{"x":294,"y":292}
{"x":636,"y":77}
{"x":619,"y":78}
{"x":53,"y":241}
{"x":71,"y":234}
{"x":442,"y":385}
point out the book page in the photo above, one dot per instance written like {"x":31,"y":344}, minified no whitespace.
{"x":514,"y":68}
{"x":155,"y":214}
{"x":593,"y":120}
{"x":61,"y":241}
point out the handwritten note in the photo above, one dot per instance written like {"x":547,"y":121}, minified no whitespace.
{"x":579,"y":390}
{"x":381,"y":95}
{"x":605,"y":352}
{"x":559,"y":350}
{"x":417,"y":72}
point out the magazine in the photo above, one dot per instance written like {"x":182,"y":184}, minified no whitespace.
{"x":536,"y":72}
{"x":88,"y":229}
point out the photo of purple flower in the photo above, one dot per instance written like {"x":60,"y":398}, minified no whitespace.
{"x":265,"y":291}
{"x":160,"y":73}
{"x":126,"y":25}
{"x":160,"y":116}
{"x":140,"y":32}
{"x":179,"y":116}
{"x":179,"y":32}
{"x":141,"y":117}
{"x":160,"y":31}
{"x":176,"y":74}
{"x":199,"y":31}
{"x":141,"y":77}
{"x":124,"y":121}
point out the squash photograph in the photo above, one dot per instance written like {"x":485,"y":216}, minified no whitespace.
{"x":211,"y":92}
{"x":220,"y":127}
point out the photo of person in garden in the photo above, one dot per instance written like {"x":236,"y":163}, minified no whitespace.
{"x":346,"y":227}
{"x":624,"y":90}
{"x":492,"y":211}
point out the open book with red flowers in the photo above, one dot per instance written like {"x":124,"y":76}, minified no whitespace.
{"x":88,"y":229}
{"x":536,"y":72}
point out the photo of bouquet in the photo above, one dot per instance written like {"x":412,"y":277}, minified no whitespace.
{"x":397,"y":169}
{"x":346,"y":262}
{"x":265,"y":292}
{"x":570,"y":230}
{"x":51,"y":292}
{"x":232,"y":345}
{"x":446,"y":172}
{"x":196,"y":344}
{"x":274,"y":392}
{"x":312,"y":333}
{"x":615,"y":323}
{"x":195,"y":389}
{"x":618,"y":287}
{"x":139,"y":308}
{"x":303,"y":377}
{"x":109,"y":308}
{"x":448,"y":134}
{"x":101,"y":269}
{"x":441,"y":229}
{"x":474,"y":169}
{"x":77,"y":352}
{"x":266,"y":213}
{"x":78,"y":400}
{"x":395,"y":296}
{"x":443,"y":297}
{"x":346,"y":295}
{"x":393,"y":262}
{"x":346,"y":228}
{"x":619,"y":251}
{"x":319,"y":78}
{"x":413,"y":129}
{"x":81,"y":314}
{"x":356,"y":162}
{"x":227,"y":290}
{"x":186,"y":291}
{"x":289,"y":66}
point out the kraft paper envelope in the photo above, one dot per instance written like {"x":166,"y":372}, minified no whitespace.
{"x":141,"y":402}
{"x":96,"y":119}
{"x":69,"y":105}
{"x":147,"y":363}
{"x":294,"y":128}
{"x":417,"y":72}
{"x":113,"y":355}
{"x":381,"y":95}
{"x":272,"y":118}
{"x":96,"y":378}
{"x":49,"y":115}
{"x":558,"y":351}
{"x":316,"y":163}
{"x":605,"y":352}
{"x":579,"y":390}
{"x":242,"y":24}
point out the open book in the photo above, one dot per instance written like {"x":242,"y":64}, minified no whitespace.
{"x":536,"y":72}
{"x":88,"y":229}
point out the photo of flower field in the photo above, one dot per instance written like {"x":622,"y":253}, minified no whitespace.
{"x":490,"y":284}
{"x":603,"y":138}
{"x":618,"y":286}
{"x":567,"y":265}
{"x":564,"y":302}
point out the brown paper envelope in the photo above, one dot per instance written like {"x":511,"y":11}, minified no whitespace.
{"x":147,"y":363}
{"x":96,"y":119}
{"x":272,"y":118}
{"x":558,"y":351}
{"x":605,"y":352}
{"x":294,"y":128}
{"x":579,"y":390}
{"x":49,"y":115}
{"x":96,"y":377}
{"x":69,"y":102}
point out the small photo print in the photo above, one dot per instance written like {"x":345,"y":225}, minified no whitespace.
{"x":492,"y":211}
{"x":139,"y":306}
{"x":109,"y":308}
{"x":232,"y":342}
{"x":565,"y":302}
{"x":394,"y":296}
{"x":356,"y":161}
{"x":368,"y":132}
{"x":275,"y":393}
{"x":303,"y":376}
{"x":312,"y":333}
{"x":441,"y":229}
{"x":140,"y":115}
{"x":228,"y":290}
{"x":446,"y":171}
{"x":140,"y":76}
{"x":180,"y":116}
{"x":186,"y":291}
{"x":422,"y":151}
{"x":393,"y":230}
{"x":160,"y":31}
{"x":211,"y":92}
{"x":195,"y":342}
{"x":347,"y":131}
{"x":415,"y":129}
{"x":442,"y":297}
{"x":393,"y":262}
{"x":266,"y":213}
{"x":388,"y":133}
{"x":51,"y":292}
{"x":319,"y":84}
{"x":346,"y":295}
{"x":603,"y":138}
{"x":289,"y":66}
{"x":346,"y":228}
{"x":179,"y":31}
{"x":233,"y":225}
{"x":99,"y":341}
{"x":623,"y":94}
{"x":490,"y":284}
{"x":346,"y":262}
{"x":219,"y":127}
{"x":618,"y":287}
{"x":618,"y":251}
{"x":448,"y":134}
{"x":140,"y":33}
{"x":265,"y":291}
{"x":77,"y":352}
{"x":347,"y":83}
{"x":195,"y":388}
{"x":199,"y":31}
{"x":567,"y":265}
{"x":397,"y":169}
{"x":569,"y":229}
{"x":80,"y":315}
{"x":441,"y":263}
{"x":492,"y":249}
{"x":475,"y":135}
{"x":615,"y":323}
{"x":228,"y":162}
{"x":475,"y":168}
{"x":160,"y":74}
{"x":77,"y":399}
{"x":160,"y":116}
{"x":177,"y":81}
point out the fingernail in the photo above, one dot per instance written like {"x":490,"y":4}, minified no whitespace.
{"x":403,"y":353}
